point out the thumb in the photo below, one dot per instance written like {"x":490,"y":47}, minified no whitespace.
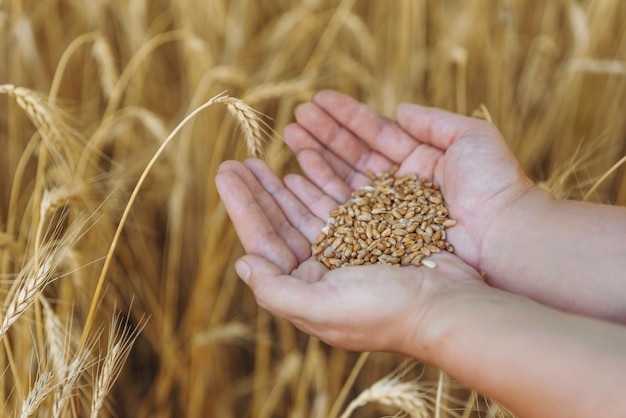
{"x":283,"y":295}
{"x":432,"y":126}
{"x":252,"y":265}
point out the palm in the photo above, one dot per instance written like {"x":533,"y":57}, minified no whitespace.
{"x":336,"y":139}
{"x":345,"y":306}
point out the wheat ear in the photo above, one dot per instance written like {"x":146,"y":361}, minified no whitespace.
{"x":35,"y":107}
{"x":120,"y":343}
{"x":406,"y":396}
{"x":251,"y":125}
{"x":67,"y":382}
{"x":48,"y":120}
{"x":41,"y":389}
{"x":29,"y":284}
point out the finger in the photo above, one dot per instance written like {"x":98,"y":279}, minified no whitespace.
{"x":436,"y":127}
{"x":298,"y":215}
{"x":421,"y":161}
{"x":299,"y":139}
{"x":304,"y":145}
{"x":337,"y":138}
{"x":293,"y":238}
{"x":283,"y":295}
{"x":252,"y":221}
{"x":379,"y":133}
{"x":318,"y":202}
{"x":319,"y":172}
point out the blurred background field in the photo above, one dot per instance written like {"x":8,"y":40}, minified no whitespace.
{"x":89,"y":90}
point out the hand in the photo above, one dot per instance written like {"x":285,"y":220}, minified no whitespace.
{"x":336,"y":139}
{"x":447,"y":316}
{"x":364,"y":308}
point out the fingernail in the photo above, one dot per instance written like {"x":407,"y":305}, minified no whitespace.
{"x":243,"y":270}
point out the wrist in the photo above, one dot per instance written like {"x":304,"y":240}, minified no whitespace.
{"x":511,"y":230}
{"x":450,"y":308}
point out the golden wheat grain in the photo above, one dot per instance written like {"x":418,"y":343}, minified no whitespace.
{"x":390,"y":221}
{"x":59,"y":339}
{"x":58,"y":197}
{"x":67,"y":361}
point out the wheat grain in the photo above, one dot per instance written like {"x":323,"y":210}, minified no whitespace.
{"x":390,"y":221}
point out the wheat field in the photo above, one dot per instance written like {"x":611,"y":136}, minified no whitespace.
{"x":119,"y":296}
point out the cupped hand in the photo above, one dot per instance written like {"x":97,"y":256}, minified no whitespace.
{"x":364,"y":308}
{"x":336,"y":139}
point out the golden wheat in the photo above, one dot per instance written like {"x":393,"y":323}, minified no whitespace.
{"x":251,"y":124}
{"x":122,"y":336}
{"x":87,"y":104}
{"x":41,"y":389}
{"x":28,"y":285}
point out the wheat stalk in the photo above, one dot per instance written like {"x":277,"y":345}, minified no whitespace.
{"x":250,"y":125}
{"x":109,"y":75}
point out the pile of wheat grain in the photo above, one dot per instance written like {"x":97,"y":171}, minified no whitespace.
{"x":393,"y":220}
